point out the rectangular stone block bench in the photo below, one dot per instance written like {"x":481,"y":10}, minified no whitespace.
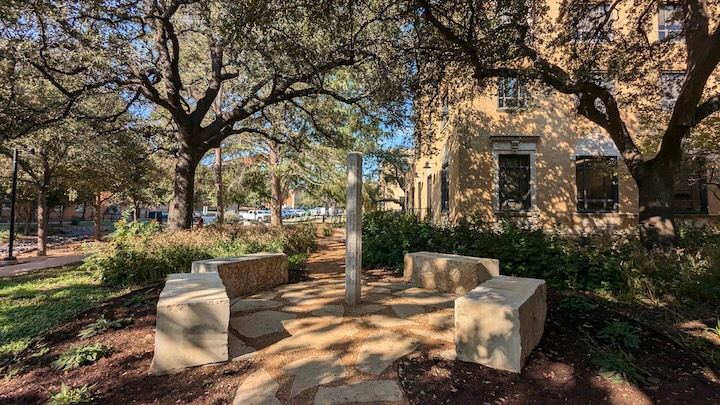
{"x":448,"y":273}
{"x":500,"y":322}
{"x":193,"y":316}
{"x":247,"y":274}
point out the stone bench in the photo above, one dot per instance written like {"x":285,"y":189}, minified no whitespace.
{"x":500,"y":322}
{"x":247,"y":274}
{"x":193,"y":315}
{"x":448,"y":273}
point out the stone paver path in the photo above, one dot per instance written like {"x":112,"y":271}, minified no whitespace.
{"x":309,"y":347}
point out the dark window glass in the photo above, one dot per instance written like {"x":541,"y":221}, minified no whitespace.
{"x":691,"y":188}
{"x":512,"y":93}
{"x":429,"y":195}
{"x":670,"y":22}
{"x":514,"y":182}
{"x":595,"y":24}
{"x":444,"y":190}
{"x":597,"y":189}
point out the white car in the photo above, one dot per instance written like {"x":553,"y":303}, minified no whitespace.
{"x":255,"y":215}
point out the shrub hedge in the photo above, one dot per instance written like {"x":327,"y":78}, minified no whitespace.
{"x":139,"y":252}
{"x":615,"y":264}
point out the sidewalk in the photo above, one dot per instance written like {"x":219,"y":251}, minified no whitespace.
{"x":309,"y":347}
{"x":56,"y":257}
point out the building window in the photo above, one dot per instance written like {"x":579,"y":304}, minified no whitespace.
{"x":419,"y":197}
{"x":503,"y":10}
{"x":411,"y":203}
{"x":445,"y":109}
{"x":670,"y":85}
{"x":595,"y":24}
{"x":670,"y":22}
{"x":444,"y":190}
{"x":597,"y":188}
{"x":514,"y":188}
{"x":690,"y":191}
{"x":429,"y":196}
{"x":512,"y":93}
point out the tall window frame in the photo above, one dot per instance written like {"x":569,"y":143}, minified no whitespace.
{"x":596,"y":183}
{"x":429,"y":195}
{"x":512,"y":93}
{"x":669,"y":26}
{"x":671,"y":83}
{"x":444,"y":189}
{"x":690,"y":188}
{"x":514,"y":182}
{"x":587,"y":28}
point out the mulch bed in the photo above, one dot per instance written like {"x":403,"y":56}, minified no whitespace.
{"x":559,"y":370}
{"x":124,"y":377}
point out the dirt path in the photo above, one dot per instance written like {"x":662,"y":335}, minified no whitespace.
{"x":329,"y":255}
{"x":56,"y":257}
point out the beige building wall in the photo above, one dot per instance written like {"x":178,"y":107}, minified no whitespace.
{"x":466,"y":133}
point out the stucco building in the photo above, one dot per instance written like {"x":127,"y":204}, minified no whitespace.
{"x":520,"y":150}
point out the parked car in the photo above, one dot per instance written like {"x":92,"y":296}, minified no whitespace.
{"x":255,"y":215}
{"x":159,"y":216}
{"x":263,"y":215}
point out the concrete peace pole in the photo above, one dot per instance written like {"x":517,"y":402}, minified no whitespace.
{"x":353,"y":229}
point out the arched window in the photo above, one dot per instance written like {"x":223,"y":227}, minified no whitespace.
{"x":596,"y":159}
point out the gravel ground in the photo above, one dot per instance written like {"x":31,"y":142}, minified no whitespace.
{"x":60,"y":236}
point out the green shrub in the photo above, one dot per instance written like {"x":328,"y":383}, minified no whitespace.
{"x":78,"y":356}
{"x":102,"y":325}
{"x":618,"y":366}
{"x":577,"y":304}
{"x":620,"y":332}
{"x":66,"y":395}
{"x":140,"y":253}
{"x":616,"y":264}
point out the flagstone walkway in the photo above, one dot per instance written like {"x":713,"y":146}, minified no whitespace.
{"x":309,"y":347}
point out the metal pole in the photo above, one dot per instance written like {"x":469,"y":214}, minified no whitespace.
{"x":13,"y":196}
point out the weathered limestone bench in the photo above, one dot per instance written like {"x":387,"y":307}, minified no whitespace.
{"x":247,"y":274}
{"x":500,"y":322}
{"x":448,"y":273}
{"x":193,"y":314}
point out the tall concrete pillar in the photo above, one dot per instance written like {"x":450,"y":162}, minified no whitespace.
{"x":353,"y":229}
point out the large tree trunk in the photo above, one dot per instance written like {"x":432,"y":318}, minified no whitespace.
{"x":276,"y":188}
{"x":656,"y":183}
{"x":181,"y":205}
{"x":136,"y":210}
{"x":219,"y":186}
{"x":42,"y":212}
{"x":97,"y":217}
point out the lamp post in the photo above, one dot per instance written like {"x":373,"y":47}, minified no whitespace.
{"x":13,"y":195}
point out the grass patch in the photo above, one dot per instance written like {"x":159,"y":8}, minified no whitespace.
{"x":33,"y":304}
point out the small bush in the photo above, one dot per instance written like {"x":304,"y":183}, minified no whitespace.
{"x":608,"y":264}
{"x":621,"y":333}
{"x":78,"y":356}
{"x":577,"y":304}
{"x":102,"y":325}
{"x":232,"y":217}
{"x":75,"y":221}
{"x":140,"y":253}
{"x":619,"y":367}
{"x":66,"y":395}
{"x":139,"y":300}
